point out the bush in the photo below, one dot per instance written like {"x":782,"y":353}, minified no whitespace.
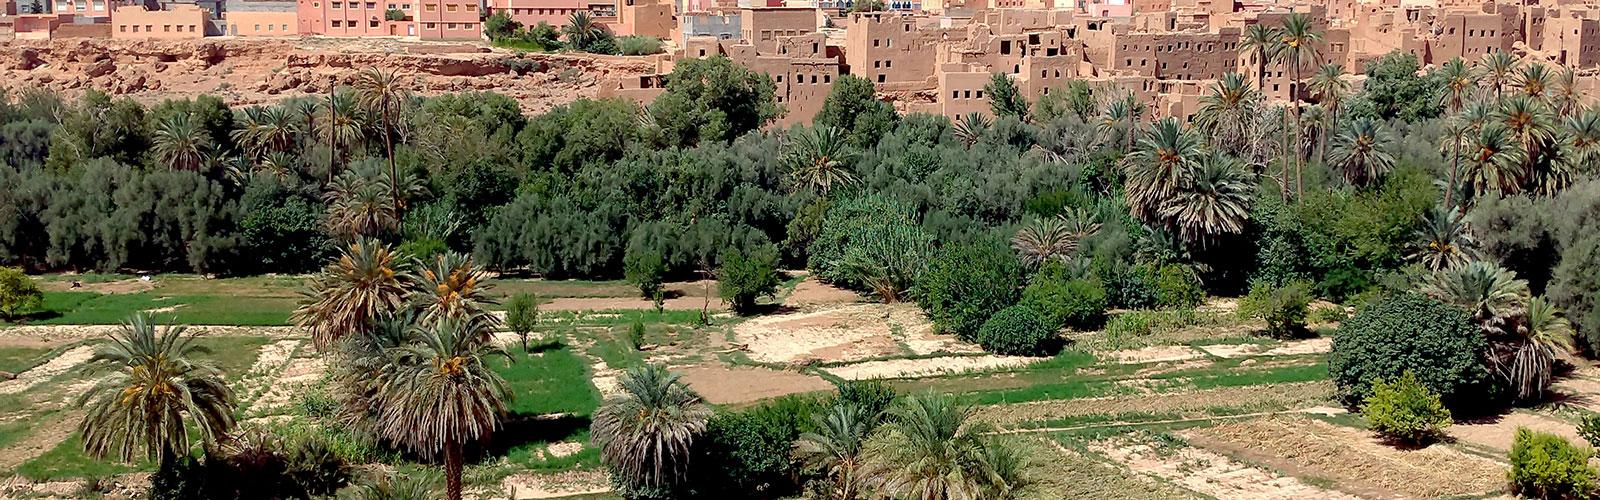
{"x":633,"y":45}
{"x":1129,"y":325}
{"x":744,"y":278}
{"x":746,"y":453}
{"x":872,"y":396}
{"x":1438,"y":343}
{"x":522,"y":315}
{"x":18,"y":293}
{"x":1283,"y":308}
{"x":1547,"y":466}
{"x":1589,"y":429}
{"x":1575,"y":286}
{"x":1176,"y":285}
{"x":1019,"y":331}
{"x":1405,"y":411}
{"x":1080,"y":304}
{"x":967,"y":283}
{"x":645,"y":269}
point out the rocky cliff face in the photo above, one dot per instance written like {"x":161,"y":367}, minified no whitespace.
{"x":263,"y":71}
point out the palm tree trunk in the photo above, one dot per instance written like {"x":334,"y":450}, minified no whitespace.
{"x":452,"y":470}
{"x":333,"y":128}
{"x":388,"y":147}
{"x":1455,"y":168}
{"x":1294,"y":100}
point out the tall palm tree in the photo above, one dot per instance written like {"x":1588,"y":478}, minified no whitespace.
{"x":971,"y":127}
{"x":1312,"y":132}
{"x":1298,"y":41}
{"x":1491,"y":293}
{"x":1329,"y":86}
{"x":1460,"y":82}
{"x":1580,"y":133}
{"x":1213,"y":200}
{"x":1564,"y":95}
{"x":342,"y":122}
{"x":1478,"y":113}
{"x":442,"y":394}
{"x":361,"y":204}
{"x":353,"y":293}
{"x":1534,"y":80}
{"x":383,"y":93}
{"x":181,"y":143}
{"x":834,"y":449}
{"x":1160,"y":165}
{"x":1498,"y":68}
{"x":1444,"y":240}
{"x":1053,"y":238}
{"x":1225,"y":113}
{"x":647,"y":430}
{"x":1358,"y":152}
{"x":819,"y":158}
{"x":1530,"y":354}
{"x":582,"y":30}
{"x":451,"y":287}
{"x":932,"y":448}
{"x":266,"y":130}
{"x":1113,"y":123}
{"x":1262,"y":43}
{"x":156,"y":394}
{"x":1530,"y":121}
{"x":1456,"y":133}
{"x":1493,"y":161}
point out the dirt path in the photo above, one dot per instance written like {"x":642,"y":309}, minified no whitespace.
{"x":1498,"y":433}
{"x":724,"y":385}
{"x":1211,"y":473}
{"x":44,"y":372}
{"x":1272,"y":397}
{"x":40,"y":439}
{"x":527,"y":486}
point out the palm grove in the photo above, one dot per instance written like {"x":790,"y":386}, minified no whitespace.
{"x":1464,"y":194}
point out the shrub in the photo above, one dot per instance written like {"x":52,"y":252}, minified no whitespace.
{"x":522,"y":315}
{"x":1405,"y":411}
{"x":745,"y":277}
{"x":1331,"y":314}
{"x":1282,"y":307}
{"x":873,"y":396}
{"x":636,"y":334}
{"x":1548,"y":466}
{"x":1589,"y":429}
{"x":18,"y":293}
{"x":1019,"y":331}
{"x":1438,"y":343}
{"x":633,"y":45}
{"x":1080,"y":304}
{"x":645,"y":269}
{"x":967,"y":283}
{"x":746,"y":453}
{"x":1129,"y":325}
{"x":1176,"y":285}
{"x":1575,"y":286}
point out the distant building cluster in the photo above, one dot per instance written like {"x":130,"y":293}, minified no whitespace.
{"x":934,"y":56}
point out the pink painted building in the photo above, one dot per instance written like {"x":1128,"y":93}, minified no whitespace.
{"x":531,"y":12}
{"x":344,"y":18}
{"x":448,"y":20}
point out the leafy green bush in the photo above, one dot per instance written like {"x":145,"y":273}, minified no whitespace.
{"x":645,"y":269}
{"x":967,"y":283}
{"x":634,"y":45}
{"x":1131,"y":324}
{"x":1331,"y":314}
{"x":745,"y":277}
{"x":1282,"y":307}
{"x":872,"y":396}
{"x":1080,"y":304}
{"x":1589,"y":429}
{"x":18,"y":293}
{"x":746,"y":453}
{"x":1547,"y":466}
{"x":1176,"y":285}
{"x":1405,"y":411}
{"x":1019,"y":331}
{"x":1438,"y":343}
{"x":850,"y":224}
{"x":522,"y":315}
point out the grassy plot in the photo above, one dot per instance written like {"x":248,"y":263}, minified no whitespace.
{"x":552,"y":400}
{"x":232,"y":355}
{"x":20,"y":359}
{"x":90,"y":308}
{"x":68,"y":460}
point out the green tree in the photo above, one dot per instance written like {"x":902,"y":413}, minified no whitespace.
{"x":18,"y":293}
{"x":931,"y":447}
{"x":181,"y":144}
{"x":1162,"y":164}
{"x":853,"y":105}
{"x":522,"y":315}
{"x":441,"y":394}
{"x":155,"y":394}
{"x":1493,"y":161}
{"x":1212,"y":201}
{"x":583,"y":32}
{"x":1054,"y":239}
{"x":386,"y":95}
{"x":1528,"y":358}
{"x":1330,"y":89}
{"x":835,"y":448}
{"x":966,"y":283}
{"x":713,"y":99}
{"x":1297,"y":47}
{"x":1490,"y":293}
{"x":746,"y":276}
{"x":1405,"y":411}
{"x":1460,"y":81}
{"x":450,"y":286}
{"x":1444,"y":241}
{"x":645,"y":269}
{"x":1393,"y":90}
{"x":1499,"y":67}
{"x":1004,"y":98}
{"x":1439,"y":343}
{"x":819,"y":159}
{"x":353,"y":293}
{"x":647,"y":430}
{"x":1358,"y":153}
{"x":1226,"y":112}
{"x":500,"y":26}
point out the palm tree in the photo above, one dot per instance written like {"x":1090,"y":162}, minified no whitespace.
{"x":1564,"y":95}
{"x":1358,"y":152}
{"x":384,"y":93}
{"x":834,"y":449}
{"x":181,"y":143}
{"x":1580,"y":133}
{"x":971,"y":127}
{"x":1330,"y":88}
{"x":442,"y":394}
{"x":1113,"y":123}
{"x":361,"y":204}
{"x":1529,"y":356}
{"x":1534,"y":80}
{"x":1159,"y":166}
{"x":353,"y":293}
{"x":266,"y":130}
{"x":582,"y":30}
{"x":1227,"y":111}
{"x":156,"y":394}
{"x":1213,"y":200}
{"x":397,"y":486}
{"x":1444,"y":240}
{"x":1456,"y":131}
{"x":1530,"y":121}
{"x":647,"y":430}
{"x":1298,"y":46}
{"x":1477,"y":114}
{"x":819,"y":158}
{"x":451,"y":287}
{"x":1262,"y":43}
{"x":1460,"y":81}
{"x":1053,"y":238}
{"x":932,"y":448}
{"x":1312,"y":131}
{"x":1492,"y":294}
{"x":1494,"y":162}
{"x":1498,"y":68}
{"x":342,"y":122}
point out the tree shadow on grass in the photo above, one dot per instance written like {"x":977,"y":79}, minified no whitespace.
{"x":521,"y":429}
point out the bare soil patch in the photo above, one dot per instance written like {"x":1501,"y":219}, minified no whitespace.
{"x":131,"y":285}
{"x":927,"y":367}
{"x":54,"y":335}
{"x":44,"y":372}
{"x":1499,"y":432}
{"x":1318,"y":345}
{"x":1211,"y":473}
{"x":847,"y":333}
{"x":1304,"y":446}
{"x":724,"y":385}
{"x":811,"y":292}
{"x":526,"y":486}
{"x":1303,"y":394}
{"x":1072,"y":474}
{"x":1156,"y":354}
{"x":40,"y":439}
